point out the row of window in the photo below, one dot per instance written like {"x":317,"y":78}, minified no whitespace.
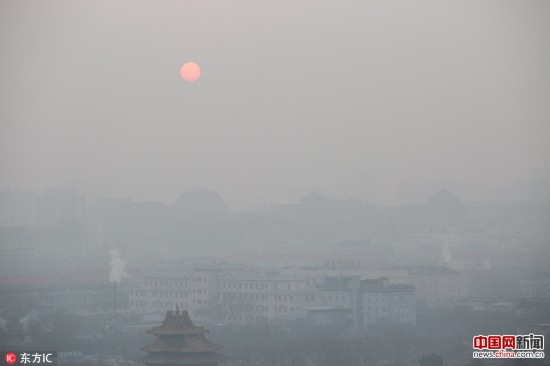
{"x":241,"y":296}
{"x":371,"y":299}
{"x":336,"y":298}
{"x":283,"y":298}
{"x":252,"y":285}
{"x":246,"y":307}
{"x":310,"y":298}
{"x":396,"y":310}
{"x":257,"y":308}
{"x":143,"y":293}
{"x":166,"y":293}
{"x":400,"y":299}
{"x":165,"y":304}
{"x":240,"y":318}
{"x":174,"y":283}
{"x":380,"y":319}
{"x":263,"y":297}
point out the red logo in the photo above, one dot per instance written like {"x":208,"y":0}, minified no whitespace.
{"x":10,"y":358}
{"x":494,"y":342}
{"x":509,"y":341}
{"x":480,"y":342}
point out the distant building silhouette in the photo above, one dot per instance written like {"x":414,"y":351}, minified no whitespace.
{"x":18,"y":208}
{"x":200,"y":203}
{"x":60,"y":205}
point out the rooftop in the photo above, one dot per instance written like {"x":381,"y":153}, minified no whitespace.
{"x":424,"y":270}
{"x":177,"y":323}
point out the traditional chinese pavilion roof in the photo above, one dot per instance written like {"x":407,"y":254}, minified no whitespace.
{"x":177,"y":323}
{"x":444,"y":196}
{"x":180,"y":342}
{"x":197,"y":359}
{"x":314,"y":198}
{"x":190,"y":344}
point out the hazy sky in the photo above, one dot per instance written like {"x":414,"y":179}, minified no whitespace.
{"x":381,"y":100}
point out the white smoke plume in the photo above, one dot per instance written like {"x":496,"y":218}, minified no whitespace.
{"x":118,"y":266}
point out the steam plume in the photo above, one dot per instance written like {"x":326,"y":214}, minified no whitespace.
{"x":118,"y":266}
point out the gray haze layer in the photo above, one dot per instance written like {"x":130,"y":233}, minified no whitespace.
{"x":384,"y":101}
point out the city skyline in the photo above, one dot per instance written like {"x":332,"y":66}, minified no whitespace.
{"x":387,"y":103}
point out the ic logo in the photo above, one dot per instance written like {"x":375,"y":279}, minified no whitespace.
{"x":10,"y":358}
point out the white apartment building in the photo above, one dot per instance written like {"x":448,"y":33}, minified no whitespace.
{"x":256,"y":297}
{"x":159,"y":292}
{"x":383,"y":302}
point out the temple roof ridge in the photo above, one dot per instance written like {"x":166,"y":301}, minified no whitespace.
{"x":190,"y":345}
{"x":180,"y":342}
{"x":443,"y":195}
{"x":177,"y":323}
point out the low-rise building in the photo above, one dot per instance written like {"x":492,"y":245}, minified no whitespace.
{"x":248,"y":297}
{"x":160,"y":292}
{"x":79,"y":291}
{"x":319,"y":316}
{"x":383,"y":302}
{"x":535,"y":286}
{"x":436,"y":286}
{"x":372,"y":301}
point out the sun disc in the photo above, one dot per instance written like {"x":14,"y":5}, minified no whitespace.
{"x":190,"y":71}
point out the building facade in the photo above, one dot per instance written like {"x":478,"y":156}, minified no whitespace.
{"x":192,"y":290}
{"x":261,"y":297}
{"x":372,"y":301}
{"x":436,"y":286}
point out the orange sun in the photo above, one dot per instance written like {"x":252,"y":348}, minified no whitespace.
{"x":190,"y":71}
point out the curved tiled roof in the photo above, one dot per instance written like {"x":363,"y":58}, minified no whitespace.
{"x":180,"y":342}
{"x":177,"y":323}
{"x":201,"y":359}
{"x":190,"y":344}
